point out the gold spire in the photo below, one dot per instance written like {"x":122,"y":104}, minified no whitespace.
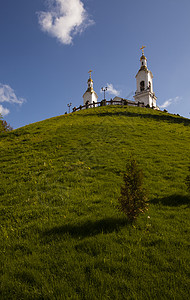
{"x":90,"y":74}
{"x":142,"y":49}
{"x":90,"y":82}
{"x":90,"y":78}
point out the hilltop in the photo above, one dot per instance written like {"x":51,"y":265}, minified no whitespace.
{"x":61,"y":234}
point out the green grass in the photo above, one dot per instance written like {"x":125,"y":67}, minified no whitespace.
{"x":61,"y":236}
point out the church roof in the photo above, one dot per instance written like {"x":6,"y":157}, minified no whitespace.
{"x":91,"y":92}
{"x":143,"y":68}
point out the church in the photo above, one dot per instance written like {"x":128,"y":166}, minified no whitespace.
{"x":144,"y":82}
{"x":144,"y":94}
{"x":90,"y":96}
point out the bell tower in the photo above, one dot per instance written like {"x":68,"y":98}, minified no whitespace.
{"x":144,"y":82}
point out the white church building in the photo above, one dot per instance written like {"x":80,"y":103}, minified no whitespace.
{"x":144,"y":82}
{"x":90,"y":96}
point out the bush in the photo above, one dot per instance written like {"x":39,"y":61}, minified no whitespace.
{"x":4,"y":126}
{"x":133,"y":199}
{"x":187,"y":181}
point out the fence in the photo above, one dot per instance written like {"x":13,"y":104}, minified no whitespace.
{"x":110,"y":102}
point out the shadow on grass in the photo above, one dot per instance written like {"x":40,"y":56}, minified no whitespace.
{"x":173,"y":200}
{"x":88,"y":228}
{"x":161,"y":116}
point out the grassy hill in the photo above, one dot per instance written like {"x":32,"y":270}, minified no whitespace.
{"x":61,"y":236}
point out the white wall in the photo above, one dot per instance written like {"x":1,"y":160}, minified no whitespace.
{"x":145,"y":76}
{"x":88,"y":96}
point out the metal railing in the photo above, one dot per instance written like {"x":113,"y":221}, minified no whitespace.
{"x":110,"y":102}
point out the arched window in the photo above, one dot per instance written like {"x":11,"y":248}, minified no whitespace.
{"x":142,"y":86}
{"x":149,"y":85}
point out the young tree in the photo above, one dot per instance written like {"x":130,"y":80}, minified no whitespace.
{"x":133,"y":199}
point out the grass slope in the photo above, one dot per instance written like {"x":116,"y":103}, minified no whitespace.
{"x":61,"y":236}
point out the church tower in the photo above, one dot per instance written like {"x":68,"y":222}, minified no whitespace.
{"x":144,"y":81}
{"x":90,"y":95}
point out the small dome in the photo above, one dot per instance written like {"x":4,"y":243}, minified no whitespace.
{"x":143,"y":57}
{"x":90,"y":79}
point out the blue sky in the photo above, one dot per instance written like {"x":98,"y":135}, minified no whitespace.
{"x":48,"y":47}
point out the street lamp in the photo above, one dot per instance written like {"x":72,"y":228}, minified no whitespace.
{"x":104,"y":89}
{"x":69,"y":106}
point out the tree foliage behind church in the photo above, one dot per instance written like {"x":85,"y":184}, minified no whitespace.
{"x":4,"y":126}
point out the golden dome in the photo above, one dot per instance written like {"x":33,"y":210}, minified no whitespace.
{"x":143,"y":57}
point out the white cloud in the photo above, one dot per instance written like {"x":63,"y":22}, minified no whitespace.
{"x":4,"y":111}
{"x":8,"y":95}
{"x":170,"y":101}
{"x":111,"y":90}
{"x":64,"y":19}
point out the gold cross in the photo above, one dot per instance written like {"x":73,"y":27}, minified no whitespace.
{"x":90,"y":73}
{"x":142,"y":49}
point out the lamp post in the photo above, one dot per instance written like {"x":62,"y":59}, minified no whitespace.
{"x":104,"y":89}
{"x":69,"y":106}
